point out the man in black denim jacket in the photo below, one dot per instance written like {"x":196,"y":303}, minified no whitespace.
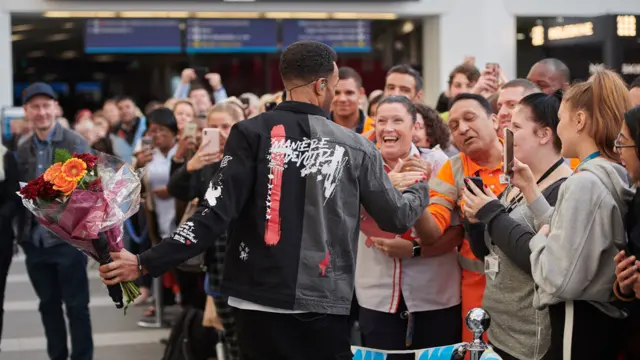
{"x":289,"y":191}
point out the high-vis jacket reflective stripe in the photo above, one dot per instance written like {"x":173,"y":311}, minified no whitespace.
{"x":467,"y":260}
{"x":446,"y":207}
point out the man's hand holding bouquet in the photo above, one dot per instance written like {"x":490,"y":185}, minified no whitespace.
{"x":85,"y":199}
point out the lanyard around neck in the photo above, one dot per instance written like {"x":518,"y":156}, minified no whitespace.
{"x":591,"y":156}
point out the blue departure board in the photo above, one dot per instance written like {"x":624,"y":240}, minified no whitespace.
{"x":232,"y":36}
{"x":132,"y":36}
{"x":341,"y":35}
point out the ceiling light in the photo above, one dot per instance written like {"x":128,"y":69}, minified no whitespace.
{"x":537,"y":35}
{"x":407,"y":27}
{"x":25,"y":27}
{"x":626,"y":25}
{"x":365,"y":16}
{"x":104,"y":58}
{"x":69,"y":54}
{"x":154,"y":14}
{"x":80,"y":14}
{"x":296,"y":15}
{"x":17,"y":37}
{"x":58,"y":37}
{"x":226,"y":15}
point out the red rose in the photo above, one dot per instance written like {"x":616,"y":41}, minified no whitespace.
{"x":47,"y":191}
{"x":38,"y":188}
{"x":30,"y":191}
{"x":88,"y":159}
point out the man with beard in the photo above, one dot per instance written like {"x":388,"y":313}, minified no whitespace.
{"x":289,"y":192}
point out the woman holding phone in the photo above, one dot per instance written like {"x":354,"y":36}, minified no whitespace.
{"x":571,"y":257}
{"x":502,"y":228}
{"x":191,"y":182}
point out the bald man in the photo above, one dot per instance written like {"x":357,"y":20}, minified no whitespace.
{"x":550,"y":75}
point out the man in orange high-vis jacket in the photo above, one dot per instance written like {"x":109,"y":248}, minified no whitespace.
{"x":474,"y":132}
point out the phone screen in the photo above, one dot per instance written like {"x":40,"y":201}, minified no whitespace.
{"x":190,"y":130}
{"x":147,"y":143}
{"x":210,"y":140}
{"x":508,"y":152}
{"x":201,"y":72}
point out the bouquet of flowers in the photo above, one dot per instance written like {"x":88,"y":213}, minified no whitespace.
{"x":85,"y":199}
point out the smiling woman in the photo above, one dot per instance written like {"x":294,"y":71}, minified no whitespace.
{"x":389,"y":265}
{"x":394,"y":128}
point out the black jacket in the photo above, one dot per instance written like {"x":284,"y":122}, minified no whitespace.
{"x":289,"y":191}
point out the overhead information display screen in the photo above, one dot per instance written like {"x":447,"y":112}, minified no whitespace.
{"x":132,"y":36}
{"x":341,"y":35}
{"x":232,"y":36}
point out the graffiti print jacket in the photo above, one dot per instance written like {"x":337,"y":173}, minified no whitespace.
{"x":289,"y":191}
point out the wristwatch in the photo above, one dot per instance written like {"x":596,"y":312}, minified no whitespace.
{"x":417,"y":250}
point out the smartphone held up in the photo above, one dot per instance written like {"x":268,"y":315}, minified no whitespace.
{"x":146,"y":143}
{"x":508,"y":160}
{"x":210,"y":140}
{"x":190,"y":130}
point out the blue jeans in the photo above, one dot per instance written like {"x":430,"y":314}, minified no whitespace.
{"x":59,"y":274}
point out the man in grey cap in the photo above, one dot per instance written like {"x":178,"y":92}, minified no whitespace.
{"x":58,"y":272}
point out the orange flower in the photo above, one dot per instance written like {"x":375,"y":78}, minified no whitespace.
{"x":74,"y":170}
{"x":62,"y":184}
{"x":52,"y":172}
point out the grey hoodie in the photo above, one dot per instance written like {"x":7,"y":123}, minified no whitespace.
{"x":575,"y":262}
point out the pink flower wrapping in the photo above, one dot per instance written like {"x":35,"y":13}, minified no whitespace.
{"x":86,"y":213}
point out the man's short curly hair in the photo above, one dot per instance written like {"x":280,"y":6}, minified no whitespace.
{"x":306,"y":61}
{"x":437,"y":131}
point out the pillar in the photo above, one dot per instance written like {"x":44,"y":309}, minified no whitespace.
{"x":6,"y":61}
{"x":480,"y":28}
{"x":613,"y":48}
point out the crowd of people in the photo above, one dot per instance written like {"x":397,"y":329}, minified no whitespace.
{"x":328,"y":207}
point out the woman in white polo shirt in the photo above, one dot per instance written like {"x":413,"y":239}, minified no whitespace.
{"x":411,"y":302}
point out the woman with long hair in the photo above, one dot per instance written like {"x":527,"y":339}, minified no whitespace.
{"x":571,"y":256}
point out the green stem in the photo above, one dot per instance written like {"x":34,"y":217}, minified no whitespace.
{"x":130,"y":292}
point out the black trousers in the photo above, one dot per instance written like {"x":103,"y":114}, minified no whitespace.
{"x":385,"y":331}
{"x":59,"y":275}
{"x":595,"y":335}
{"x":306,"y":336}
{"x":6,"y":254}
{"x":503,"y":354}
{"x":191,"y":289}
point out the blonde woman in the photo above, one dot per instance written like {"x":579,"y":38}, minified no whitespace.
{"x":190,"y":182}
{"x":571,"y":257}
